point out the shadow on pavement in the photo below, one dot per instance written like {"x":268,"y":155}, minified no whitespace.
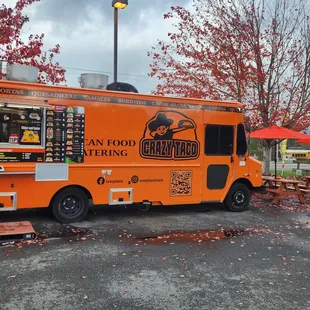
{"x":97,"y":212}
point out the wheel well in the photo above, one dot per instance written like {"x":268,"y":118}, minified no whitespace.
{"x":245,"y":182}
{"x":86,"y":191}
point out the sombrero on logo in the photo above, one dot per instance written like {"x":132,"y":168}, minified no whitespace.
{"x":170,"y":135}
{"x":161,"y":120}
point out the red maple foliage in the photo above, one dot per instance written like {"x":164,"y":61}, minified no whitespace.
{"x":254,"y":51}
{"x":14,"y":51}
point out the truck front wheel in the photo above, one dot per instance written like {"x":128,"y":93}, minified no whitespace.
{"x":70,"y":205}
{"x":238,"y":198}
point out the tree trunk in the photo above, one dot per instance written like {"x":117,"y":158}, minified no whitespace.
{"x":266,"y":160}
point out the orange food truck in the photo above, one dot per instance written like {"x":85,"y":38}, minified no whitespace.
{"x":69,"y":148}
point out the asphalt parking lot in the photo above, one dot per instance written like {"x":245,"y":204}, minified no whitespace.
{"x":167,"y":258}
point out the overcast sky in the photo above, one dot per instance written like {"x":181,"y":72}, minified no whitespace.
{"x":84,"y":29}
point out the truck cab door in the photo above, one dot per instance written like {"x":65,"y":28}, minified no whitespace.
{"x":219,"y":162}
{"x":242,"y":163}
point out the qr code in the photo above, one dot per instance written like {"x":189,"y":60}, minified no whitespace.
{"x":181,"y":183}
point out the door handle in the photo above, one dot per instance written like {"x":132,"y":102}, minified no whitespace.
{"x":232,"y":159}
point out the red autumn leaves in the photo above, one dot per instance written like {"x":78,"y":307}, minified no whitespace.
{"x":14,"y":50}
{"x":240,"y":50}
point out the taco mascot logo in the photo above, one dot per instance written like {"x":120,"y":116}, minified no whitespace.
{"x":170,"y":135}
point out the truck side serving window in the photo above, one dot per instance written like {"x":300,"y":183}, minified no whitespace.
{"x":242,"y":146}
{"x":21,"y":125}
{"x":219,"y":140}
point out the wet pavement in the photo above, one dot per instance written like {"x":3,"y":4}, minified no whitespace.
{"x":188,"y":257}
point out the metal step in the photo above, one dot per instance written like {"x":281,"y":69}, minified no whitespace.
{"x":16,"y":232}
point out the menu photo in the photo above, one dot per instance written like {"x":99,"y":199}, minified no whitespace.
{"x":30,"y":135}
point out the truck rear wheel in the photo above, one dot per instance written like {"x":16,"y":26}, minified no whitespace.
{"x":238,"y":198}
{"x":70,"y":205}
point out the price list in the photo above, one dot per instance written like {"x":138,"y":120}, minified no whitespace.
{"x":65,"y":134}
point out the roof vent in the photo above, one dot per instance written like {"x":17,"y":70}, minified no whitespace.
{"x":22,"y":73}
{"x":93,"y":80}
{"x":122,"y":87}
{"x":2,"y":67}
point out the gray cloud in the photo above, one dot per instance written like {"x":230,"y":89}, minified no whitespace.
{"x":66,"y":12}
{"x":84,"y":29}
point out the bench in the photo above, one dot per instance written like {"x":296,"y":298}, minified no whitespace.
{"x":305,"y":191}
{"x":301,"y":161}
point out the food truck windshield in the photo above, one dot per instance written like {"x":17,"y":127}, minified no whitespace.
{"x":21,"y":125}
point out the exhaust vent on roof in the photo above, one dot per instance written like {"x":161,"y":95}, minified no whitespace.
{"x":122,"y":87}
{"x":22,"y":73}
{"x":93,"y":80}
{"x":1,"y":67}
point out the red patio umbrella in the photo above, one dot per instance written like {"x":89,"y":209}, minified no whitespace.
{"x":304,"y":141}
{"x":278,"y":133}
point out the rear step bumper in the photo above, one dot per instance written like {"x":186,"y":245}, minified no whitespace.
{"x":16,"y":232}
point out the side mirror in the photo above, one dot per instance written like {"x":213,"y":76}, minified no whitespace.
{"x":247,"y":125}
{"x":231,"y":148}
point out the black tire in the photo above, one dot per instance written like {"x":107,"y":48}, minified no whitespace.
{"x":70,"y":205}
{"x":238,"y":198}
{"x":144,"y":208}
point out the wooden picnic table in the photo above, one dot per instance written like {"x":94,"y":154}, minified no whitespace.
{"x":283,"y":189}
{"x":307,"y":184}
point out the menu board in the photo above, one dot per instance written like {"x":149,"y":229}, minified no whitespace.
{"x":26,"y":116}
{"x":11,"y":156}
{"x":21,"y":126}
{"x":21,"y":134}
{"x":65,"y":134}
{"x":75,"y":129}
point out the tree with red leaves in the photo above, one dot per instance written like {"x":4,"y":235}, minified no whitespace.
{"x":254,"y":51}
{"x":14,"y":51}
